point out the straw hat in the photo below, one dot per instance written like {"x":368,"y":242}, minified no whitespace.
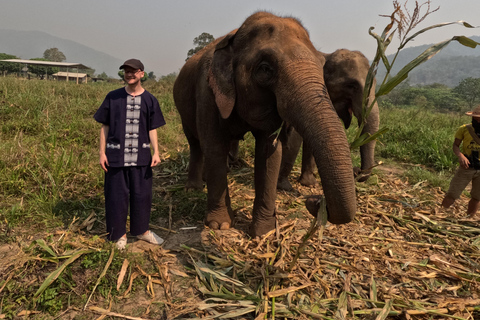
{"x":474,"y":113}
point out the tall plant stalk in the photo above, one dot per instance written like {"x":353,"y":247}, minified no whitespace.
{"x":403,"y":22}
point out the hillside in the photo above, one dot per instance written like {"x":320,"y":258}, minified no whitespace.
{"x":449,"y":67}
{"x":32,"y":44}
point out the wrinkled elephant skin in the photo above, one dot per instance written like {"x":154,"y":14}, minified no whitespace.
{"x":253,"y":79}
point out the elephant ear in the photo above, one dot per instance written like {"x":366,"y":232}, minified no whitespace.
{"x":220,"y":77}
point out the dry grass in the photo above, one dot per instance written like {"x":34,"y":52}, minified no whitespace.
{"x":403,"y":255}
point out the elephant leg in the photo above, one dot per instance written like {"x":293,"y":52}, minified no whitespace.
{"x":267,"y":165}
{"x":367,"y":151}
{"x":307,"y":177}
{"x":367,"y":162}
{"x":289,"y":155}
{"x":195,"y":165}
{"x":219,"y":211}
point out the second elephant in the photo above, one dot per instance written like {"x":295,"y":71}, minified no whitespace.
{"x":345,"y":73}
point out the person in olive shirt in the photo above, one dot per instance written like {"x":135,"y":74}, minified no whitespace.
{"x":130,"y":117}
{"x":468,"y":136}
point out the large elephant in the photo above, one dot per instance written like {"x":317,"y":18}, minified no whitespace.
{"x":345,"y":73}
{"x":253,"y":79}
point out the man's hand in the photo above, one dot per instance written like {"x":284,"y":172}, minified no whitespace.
{"x":104,"y":162}
{"x":155,"y":160}
{"x":464,"y":163}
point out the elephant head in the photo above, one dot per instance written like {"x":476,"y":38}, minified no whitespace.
{"x":268,"y":72}
{"x":345,"y":75}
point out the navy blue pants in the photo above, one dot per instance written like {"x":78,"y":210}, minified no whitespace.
{"x":123,"y":186}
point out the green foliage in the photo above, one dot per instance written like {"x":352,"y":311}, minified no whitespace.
{"x":420,"y":136}
{"x":8,"y":66}
{"x":49,"y":148}
{"x":103,"y":76}
{"x":435,"y":96}
{"x":151,"y":76}
{"x":169,"y":78}
{"x":469,"y":90}
{"x":53,"y":54}
{"x":200,"y":42}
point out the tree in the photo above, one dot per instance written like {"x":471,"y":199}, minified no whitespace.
{"x":103,"y":76}
{"x":469,"y":90}
{"x":53,"y":54}
{"x":39,"y":70}
{"x":8,"y":66}
{"x":200,"y":42}
{"x":151,"y":76}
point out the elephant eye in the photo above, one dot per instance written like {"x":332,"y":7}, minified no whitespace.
{"x":263,"y":73}
{"x":352,"y":85}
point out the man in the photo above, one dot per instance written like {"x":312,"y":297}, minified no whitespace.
{"x":129,"y":118}
{"x":469,"y":170}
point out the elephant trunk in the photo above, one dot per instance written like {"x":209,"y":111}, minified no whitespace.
{"x":307,"y":106}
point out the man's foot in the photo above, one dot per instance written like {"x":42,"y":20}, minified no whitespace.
{"x":121,"y":243}
{"x":150,"y":237}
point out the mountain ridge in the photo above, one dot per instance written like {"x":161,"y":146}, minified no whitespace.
{"x":32,"y":44}
{"x":450,"y":66}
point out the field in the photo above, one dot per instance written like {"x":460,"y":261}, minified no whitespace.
{"x":403,"y":257}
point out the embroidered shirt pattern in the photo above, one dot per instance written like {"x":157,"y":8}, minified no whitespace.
{"x":131,"y":130}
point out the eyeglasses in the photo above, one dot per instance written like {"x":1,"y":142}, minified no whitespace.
{"x":131,"y":72}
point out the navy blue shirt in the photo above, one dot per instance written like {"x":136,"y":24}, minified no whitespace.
{"x":129,"y":119}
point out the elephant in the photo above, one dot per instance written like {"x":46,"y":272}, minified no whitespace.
{"x":345,"y":73}
{"x":253,"y":79}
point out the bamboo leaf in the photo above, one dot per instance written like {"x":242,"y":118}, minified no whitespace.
{"x":373,"y":290}
{"x":123,"y":271}
{"x":464,"y":23}
{"x":366,"y":138}
{"x":342,"y":306}
{"x":41,"y":243}
{"x":107,"y":265}
{"x":55,"y":274}
{"x":237,"y":313}
{"x":385,"y":311}
{"x":426,"y":55}
{"x":282,"y":292}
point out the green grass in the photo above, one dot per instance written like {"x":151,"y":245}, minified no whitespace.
{"x":49,"y":150}
{"x":420,"y":136}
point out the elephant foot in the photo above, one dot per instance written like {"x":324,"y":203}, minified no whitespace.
{"x":194,"y":186}
{"x":284,"y":184}
{"x":215,"y":226}
{"x":361,"y":176}
{"x":308,"y":180}
{"x":219,"y":221}
{"x":260,"y":227}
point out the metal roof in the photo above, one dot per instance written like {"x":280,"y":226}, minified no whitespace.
{"x":48,"y":63}
{"x":70,"y":74}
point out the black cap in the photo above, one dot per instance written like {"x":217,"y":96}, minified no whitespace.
{"x":132,"y":63}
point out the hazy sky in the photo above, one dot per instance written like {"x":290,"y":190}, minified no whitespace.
{"x":160,"y":33}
